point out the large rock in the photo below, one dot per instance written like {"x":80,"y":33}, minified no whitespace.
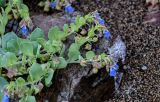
{"x":77,"y":83}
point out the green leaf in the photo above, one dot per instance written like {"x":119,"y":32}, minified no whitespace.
{"x":8,"y":9}
{"x":13,"y":46}
{"x":7,"y":37}
{"x":1,"y":59}
{"x":4,"y":18}
{"x":66,"y":28}
{"x":2,"y":51}
{"x":77,"y":20}
{"x":55,"y":34}
{"x":62,"y":63}
{"x":2,"y":3}
{"x":91,"y":32}
{"x":36,"y":90}
{"x":90,"y":55}
{"x":89,"y":18}
{"x":1,"y":95}
{"x":9,"y":59}
{"x":73,"y":27}
{"x":28,"y":99}
{"x":3,"y":82}
{"x":2,"y":29}
{"x":24,"y":11}
{"x":48,"y":47}
{"x":36,"y":48}
{"x":82,"y":21}
{"x":20,"y":82}
{"x":0,"y":41}
{"x":62,"y":50}
{"x":73,"y":53}
{"x":81,"y":40}
{"x":36,"y":72}
{"x":31,"y":99}
{"x":27,"y":48}
{"x":41,"y":41}
{"x":49,"y":77}
{"x":36,"y":34}
{"x":10,"y":86}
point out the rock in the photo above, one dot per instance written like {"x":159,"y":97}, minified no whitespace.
{"x":75,"y":84}
{"x":118,"y":50}
{"x":45,"y":22}
{"x":118,"y":80}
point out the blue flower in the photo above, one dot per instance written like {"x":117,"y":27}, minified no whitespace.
{"x":5,"y":98}
{"x":69,"y":9}
{"x":115,"y":67}
{"x":113,"y":70}
{"x":112,"y":73}
{"x":107,"y":34}
{"x":24,"y":30}
{"x":101,"y":21}
{"x":53,"y":5}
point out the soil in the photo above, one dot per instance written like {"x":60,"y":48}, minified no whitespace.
{"x":126,"y":18}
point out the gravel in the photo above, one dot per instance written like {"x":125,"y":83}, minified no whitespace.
{"x":126,"y":18}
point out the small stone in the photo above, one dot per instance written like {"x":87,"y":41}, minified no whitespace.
{"x":144,"y":67}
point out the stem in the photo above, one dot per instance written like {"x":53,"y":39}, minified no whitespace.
{"x":73,"y":62}
{"x":32,"y":83}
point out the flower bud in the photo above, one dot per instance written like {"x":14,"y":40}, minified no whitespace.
{"x":83,"y":63}
{"x":96,"y":65}
{"x":95,"y":39}
{"x":95,"y":70}
{"x":41,"y":4}
{"x":88,"y":47}
{"x":83,"y":32}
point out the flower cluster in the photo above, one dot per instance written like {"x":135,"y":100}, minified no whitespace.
{"x":68,"y":8}
{"x":101,"y":21}
{"x":53,"y":5}
{"x":24,"y":30}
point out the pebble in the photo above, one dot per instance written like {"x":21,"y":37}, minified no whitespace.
{"x":144,"y":67}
